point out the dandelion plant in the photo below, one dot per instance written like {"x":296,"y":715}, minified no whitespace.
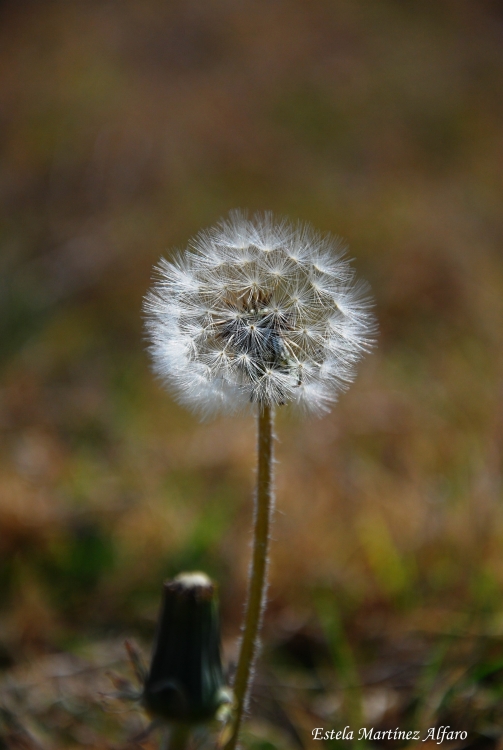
{"x":258,"y":312}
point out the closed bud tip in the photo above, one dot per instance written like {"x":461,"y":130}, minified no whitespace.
{"x":185,"y":682}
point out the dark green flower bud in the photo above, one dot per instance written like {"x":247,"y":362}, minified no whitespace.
{"x":185,"y":682}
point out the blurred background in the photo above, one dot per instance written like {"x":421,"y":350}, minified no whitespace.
{"x":126,"y":127}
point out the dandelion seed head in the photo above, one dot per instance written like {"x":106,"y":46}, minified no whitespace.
{"x":258,"y":311}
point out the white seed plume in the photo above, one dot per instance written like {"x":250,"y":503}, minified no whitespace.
{"x":258,"y":311}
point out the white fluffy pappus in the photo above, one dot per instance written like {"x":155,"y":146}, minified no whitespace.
{"x":258,"y":311}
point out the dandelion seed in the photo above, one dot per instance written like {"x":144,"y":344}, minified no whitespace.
{"x":258,"y":311}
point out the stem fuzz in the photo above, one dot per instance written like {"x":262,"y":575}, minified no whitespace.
{"x":257,"y":587}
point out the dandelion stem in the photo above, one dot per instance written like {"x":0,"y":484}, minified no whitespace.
{"x":177,"y":738}
{"x":257,"y":587}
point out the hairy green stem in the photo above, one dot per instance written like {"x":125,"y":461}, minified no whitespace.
{"x":257,"y":587}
